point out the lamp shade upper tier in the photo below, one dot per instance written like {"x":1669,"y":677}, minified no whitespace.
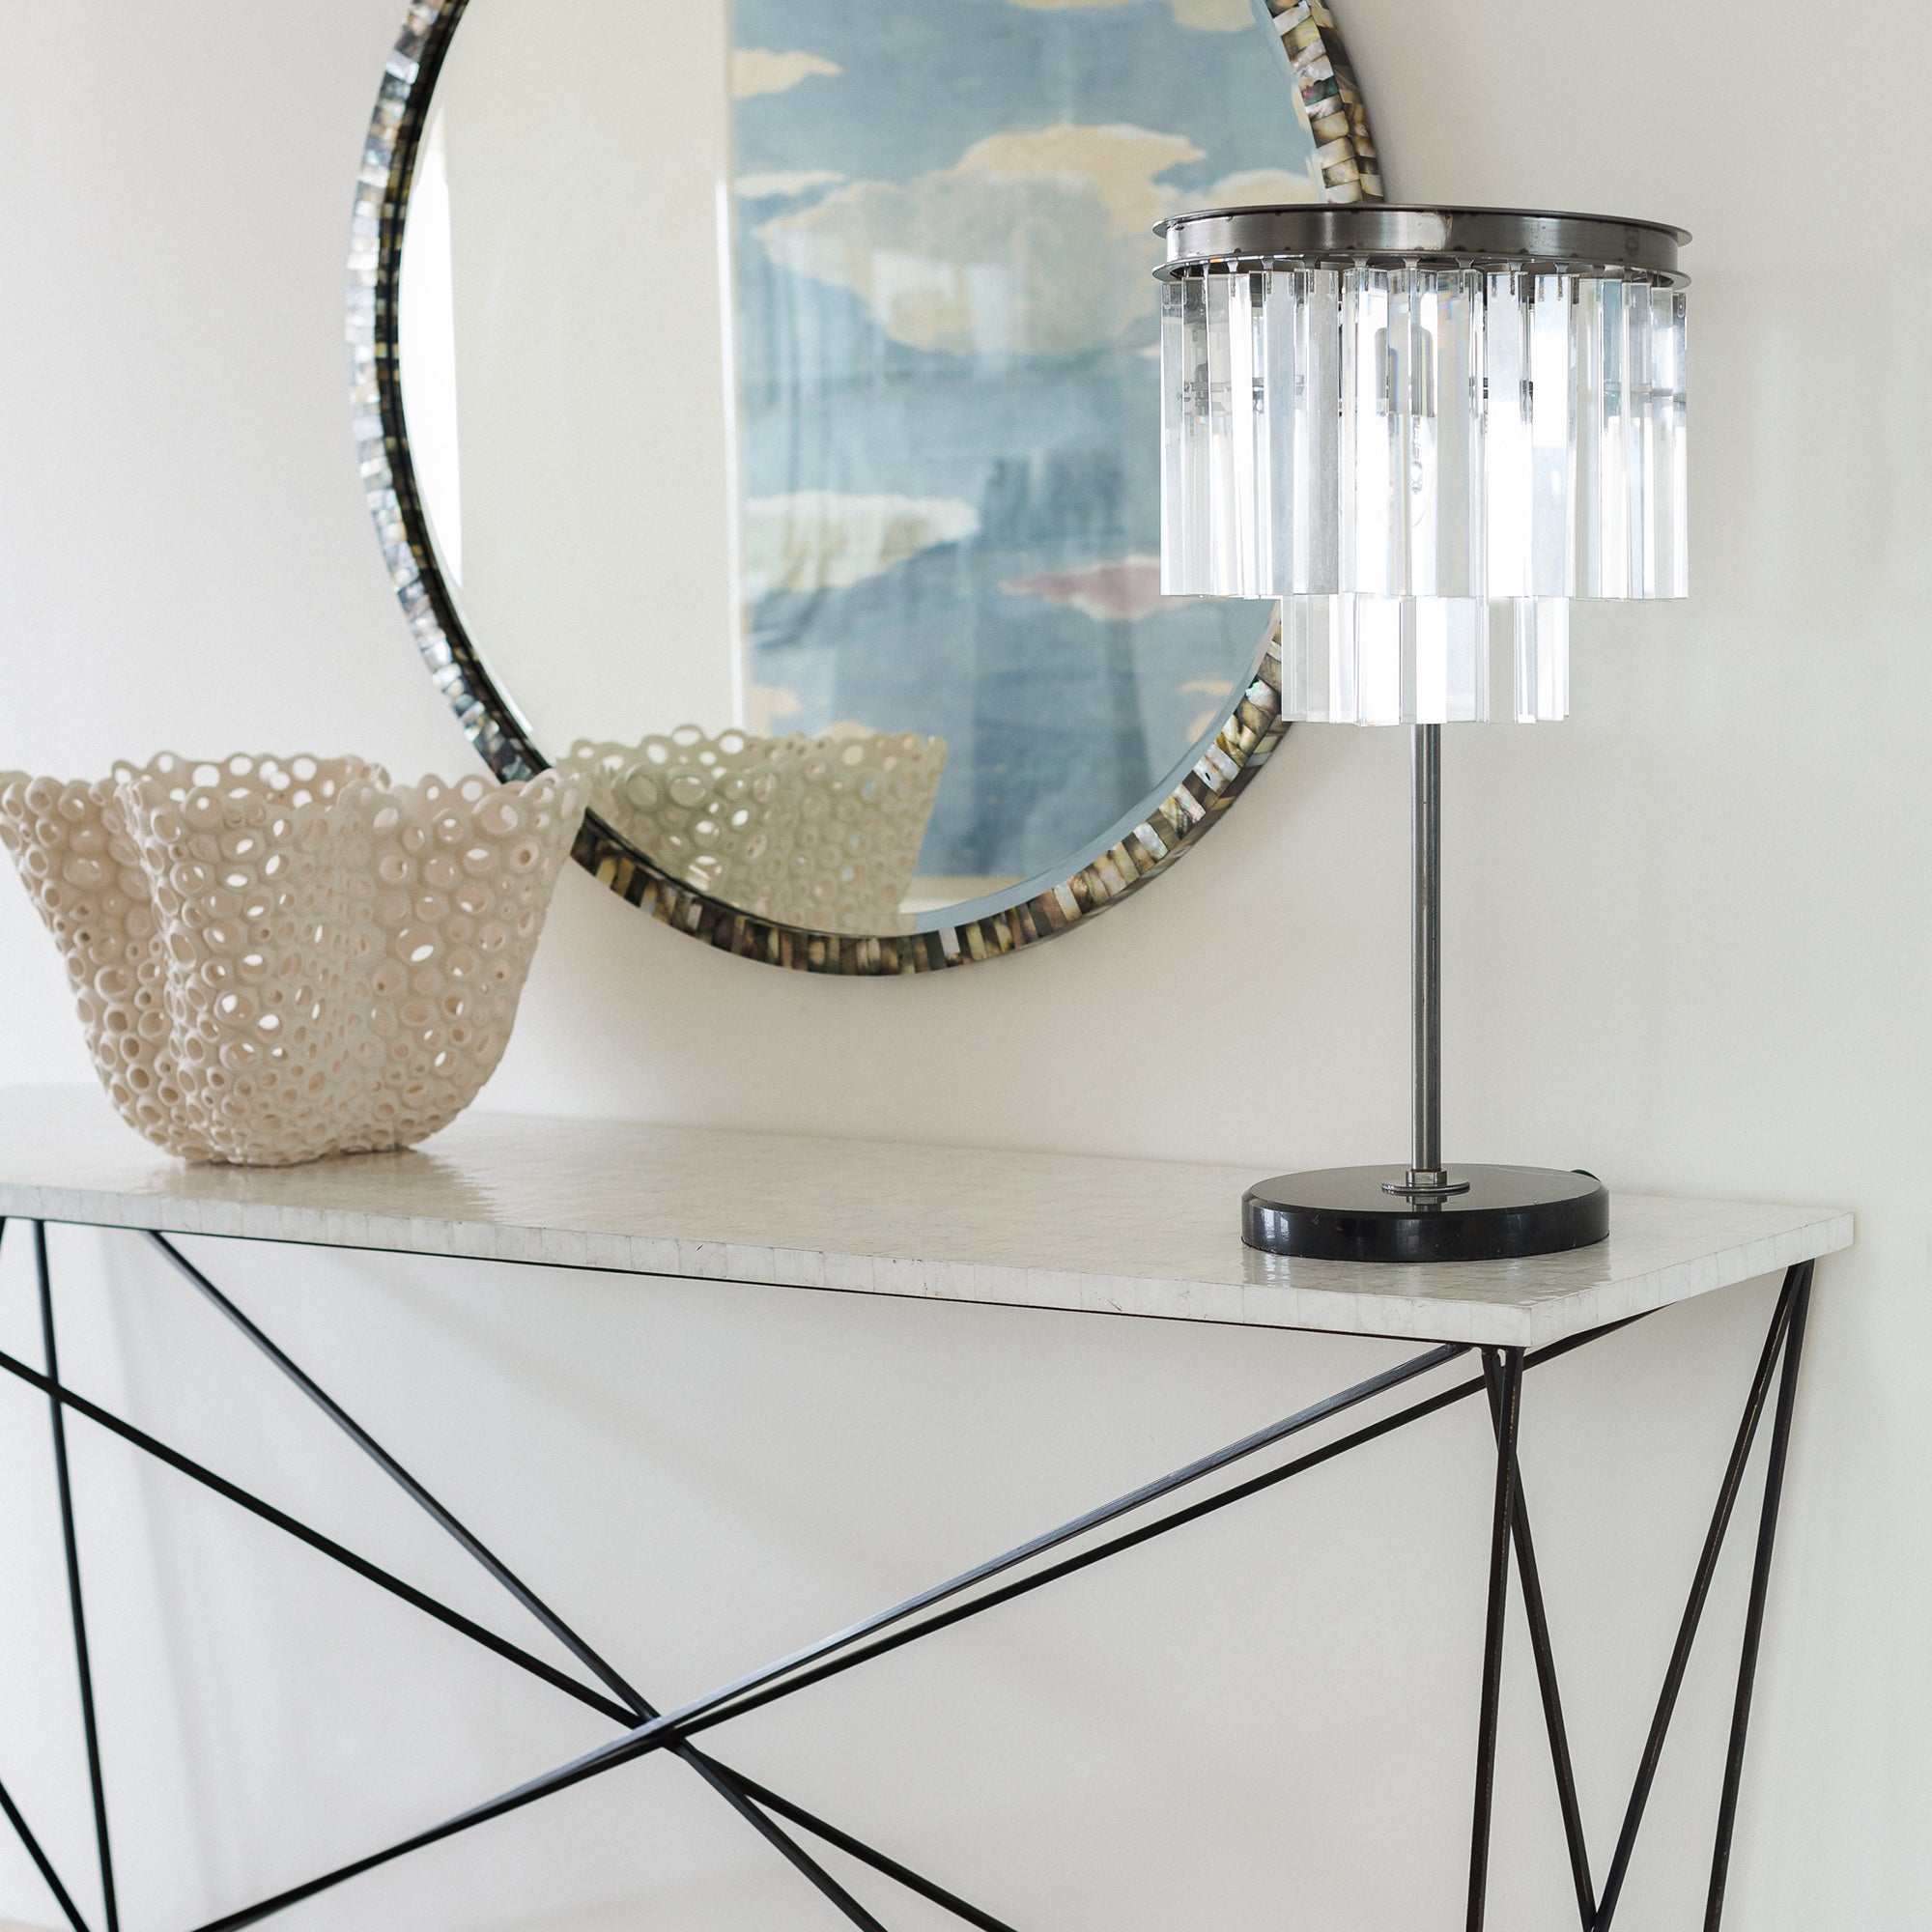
{"x":1400,"y":417}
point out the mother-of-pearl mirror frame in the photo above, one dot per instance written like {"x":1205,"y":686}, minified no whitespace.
{"x":1253,"y":728}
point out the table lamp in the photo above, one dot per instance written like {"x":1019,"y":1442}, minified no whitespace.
{"x":1409,"y":424}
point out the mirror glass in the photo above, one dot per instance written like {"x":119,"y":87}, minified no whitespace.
{"x":781,"y":385}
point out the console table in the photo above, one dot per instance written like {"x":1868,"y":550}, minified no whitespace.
{"x":1157,"y":1240}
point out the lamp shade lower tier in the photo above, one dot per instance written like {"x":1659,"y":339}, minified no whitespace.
{"x":1349,"y":1214}
{"x":1349,"y":660}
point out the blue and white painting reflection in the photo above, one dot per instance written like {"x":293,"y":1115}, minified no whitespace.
{"x":949,"y":395}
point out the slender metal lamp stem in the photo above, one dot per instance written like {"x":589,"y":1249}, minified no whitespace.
{"x":1426,"y":947}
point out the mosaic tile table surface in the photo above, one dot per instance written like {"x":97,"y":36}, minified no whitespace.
{"x":1024,"y":1230}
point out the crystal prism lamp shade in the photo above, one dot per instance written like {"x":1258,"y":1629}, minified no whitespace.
{"x":1407,"y":429}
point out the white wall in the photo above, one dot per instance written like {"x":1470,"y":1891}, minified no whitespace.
{"x":575,"y":201}
{"x":1688,"y":945}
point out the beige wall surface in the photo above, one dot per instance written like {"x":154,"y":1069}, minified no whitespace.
{"x":1687,"y":945}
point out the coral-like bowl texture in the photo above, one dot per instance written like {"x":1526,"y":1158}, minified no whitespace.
{"x":278,"y":960}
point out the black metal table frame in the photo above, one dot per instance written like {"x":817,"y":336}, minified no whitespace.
{"x":645,"y":1729}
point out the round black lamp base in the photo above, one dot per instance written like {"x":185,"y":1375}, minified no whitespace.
{"x":1349,"y":1215}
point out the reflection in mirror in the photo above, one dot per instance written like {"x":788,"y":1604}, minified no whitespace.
{"x":781,"y":388}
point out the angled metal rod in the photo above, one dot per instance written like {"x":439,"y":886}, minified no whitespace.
{"x":1536,"y":1617}
{"x":786,"y":1846}
{"x":444,"y":1519}
{"x":1502,"y":1375}
{"x":1767,"y":1537}
{"x":41,"y":1862}
{"x":635,"y":1705}
{"x":743,"y":1695}
{"x":742,"y":1796}
{"x":1194,"y":1471}
{"x":313,"y":1539}
{"x":866,"y":1855}
{"x":1693,"y":1611}
{"x":705,"y":1713}
{"x":83,"y":1668}
{"x":724,"y":1774}
{"x":725,"y":1784}
{"x":714,"y":1710}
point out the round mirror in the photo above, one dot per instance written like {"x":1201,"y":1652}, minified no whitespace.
{"x":760,"y":405}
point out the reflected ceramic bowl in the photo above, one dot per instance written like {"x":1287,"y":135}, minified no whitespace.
{"x":818,"y":833}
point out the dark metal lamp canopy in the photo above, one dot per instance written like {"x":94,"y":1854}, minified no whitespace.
{"x":1386,"y":235}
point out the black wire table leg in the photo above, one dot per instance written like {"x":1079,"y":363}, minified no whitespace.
{"x":1502,"y":1379}
{"x":866,"y":1855}
{"x":783,"y":1844}
{"x":41,"y":1862}
{"x":1767,"y":1536}
{"x":1693,"y":1611}
{"x":109,"y":1908}
{"x":1505,"y":1368}
{"x":1536,"y":1615}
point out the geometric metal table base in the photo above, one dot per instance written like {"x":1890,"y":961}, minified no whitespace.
{"x":645,"y":1729}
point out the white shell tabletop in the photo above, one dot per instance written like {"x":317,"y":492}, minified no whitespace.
{"x":1025,"y":1230}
